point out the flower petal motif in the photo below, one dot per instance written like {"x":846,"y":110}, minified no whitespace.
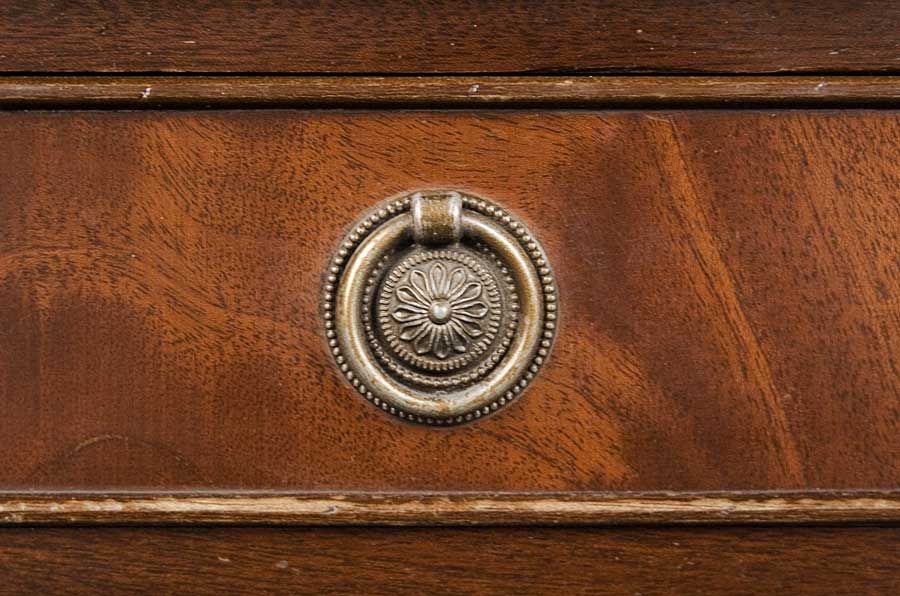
{"x":455,"y":281}
{"x":419,"y":284}
{"x":441,"y":345}
{"x":405,"y":313}
{"x":416,"y":298}
{"x":436,"y":278}
{"x":410,"y":299}
{"x":424,"y":341}
{"x":476,"y":310}
{"x":469,"y":291}
{"x":469,"y":329}
{"x":413,"y":330}
{"x":457,"y":339}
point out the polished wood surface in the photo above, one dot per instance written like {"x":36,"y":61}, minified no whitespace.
{"x":728,"y":285}
{"x":448,"y":36}
{"x":648,"y":561}
{"x":249,"y":92}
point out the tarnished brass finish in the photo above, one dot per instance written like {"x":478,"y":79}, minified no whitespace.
{"x":440,"y":307}
{"x":436,"y":218}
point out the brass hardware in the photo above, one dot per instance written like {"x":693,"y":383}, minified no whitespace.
{"x":436,"y":218}
{"x":440,"y":307}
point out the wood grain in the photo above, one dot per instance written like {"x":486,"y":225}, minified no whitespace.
{"x":659,"y":561}
{"x":447,"y":36}
{"x":728,"y":287}
{"x":452,"y":509}
{"x":153,"y":92}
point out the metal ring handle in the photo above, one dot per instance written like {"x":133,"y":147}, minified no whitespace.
{"x":351,"y":328}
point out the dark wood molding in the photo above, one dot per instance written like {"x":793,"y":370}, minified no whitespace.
{"x":401,"y":36}
{"x":452,"y":509}
{"x":659,"y":561}
{"x":463,"y":91}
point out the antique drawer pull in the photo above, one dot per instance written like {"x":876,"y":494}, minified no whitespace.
{"x":440,"y":307}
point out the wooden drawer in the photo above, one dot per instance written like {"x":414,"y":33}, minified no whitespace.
{"x":683,"y":219}
{"x":727,"y":283}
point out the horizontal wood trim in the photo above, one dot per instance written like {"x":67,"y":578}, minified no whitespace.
{"x":451,"y":509}
{"x":738,"y":561}
{"x":591,"y":91}
{"x":445,"y":36}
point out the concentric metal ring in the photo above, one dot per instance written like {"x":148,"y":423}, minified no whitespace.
{"x":387,"y":231}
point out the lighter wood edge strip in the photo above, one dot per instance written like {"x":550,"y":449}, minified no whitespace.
{"x":136,"y":91}
{"x":430,"y":509}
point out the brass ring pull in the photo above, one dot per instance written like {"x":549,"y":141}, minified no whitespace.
{"x":440,"y":307}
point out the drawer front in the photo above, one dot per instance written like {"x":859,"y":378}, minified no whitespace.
{"x":727,"y":285}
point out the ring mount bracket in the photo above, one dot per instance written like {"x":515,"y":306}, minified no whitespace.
{"x":436,"y":218}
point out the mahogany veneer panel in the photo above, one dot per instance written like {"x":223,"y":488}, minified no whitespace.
{"x":728,"y":285}
{"x":448,"y":36}
{"x":649,"y":561}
